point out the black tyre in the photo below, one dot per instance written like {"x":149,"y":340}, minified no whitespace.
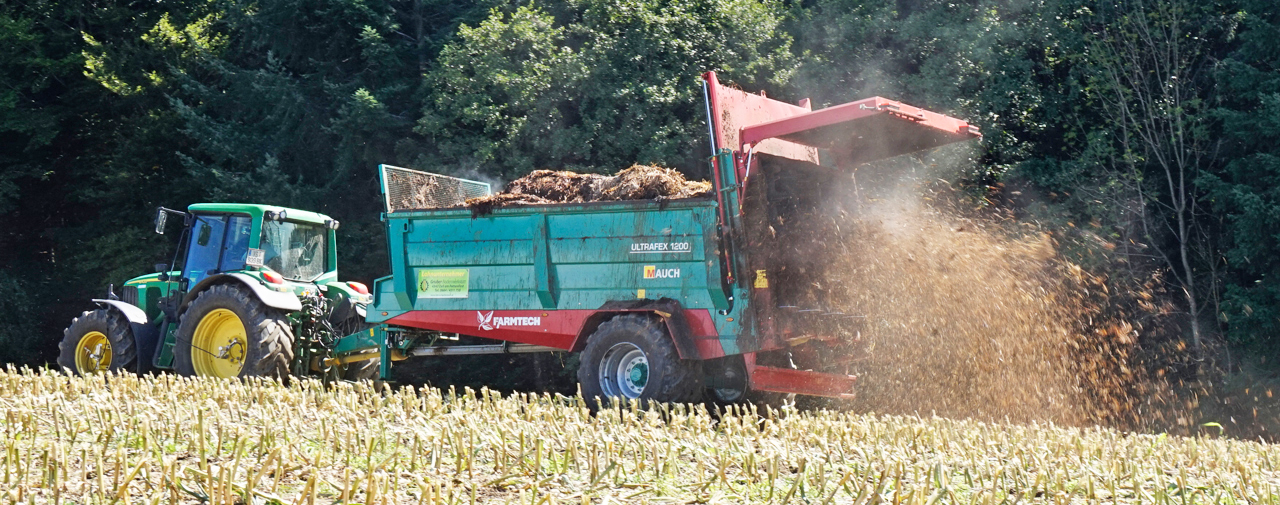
{"x":97,"y":342}
{"x":228,"y":332}
{"x":726,"y":381}
{"x":363,"y":370}
{"x":727,"y":384}
{"x":631,"y":356}
{"x":359,"y":370}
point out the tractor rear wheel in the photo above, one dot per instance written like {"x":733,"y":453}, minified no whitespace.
{"x":228,"y":332}
{"x":97,"y":342}
{"x":632,"y":357}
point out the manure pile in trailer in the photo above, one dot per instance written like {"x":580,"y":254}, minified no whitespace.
{"x":638,"y":182}
{"x":176,"y":440}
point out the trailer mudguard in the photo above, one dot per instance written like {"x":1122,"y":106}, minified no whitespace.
{"x":145,"y":335}
{"x":286,"y":301}
{"x":347,"y":308}
{"x":347,"y":302}
{"x":670,"y":311}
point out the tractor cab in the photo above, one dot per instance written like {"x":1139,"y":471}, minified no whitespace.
{"x":276,"y":245}
{"x":286,"y":249}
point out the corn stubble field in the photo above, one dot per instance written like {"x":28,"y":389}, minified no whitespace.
{"x":167,"y":439}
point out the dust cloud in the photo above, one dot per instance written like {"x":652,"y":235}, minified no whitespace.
{"x":960,"y":321}
{"x":959,"y":315}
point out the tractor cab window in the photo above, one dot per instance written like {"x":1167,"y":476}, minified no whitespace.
{"x":239,"y":230}
{"x":295,"y":250}
{"x":219,"y":243}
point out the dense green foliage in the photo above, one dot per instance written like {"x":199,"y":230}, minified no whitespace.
{"x":1145,"y":131}
{"x":615,"y":83}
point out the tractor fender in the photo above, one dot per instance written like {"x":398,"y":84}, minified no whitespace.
{"x":669,"y":311}
{"x":286,"y":301}
{"x":131,"y":312}
{"x":145,"y":334}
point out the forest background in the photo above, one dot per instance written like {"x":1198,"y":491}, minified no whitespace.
{"x":1143,"y":135}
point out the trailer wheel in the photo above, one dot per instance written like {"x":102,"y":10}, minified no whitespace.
{"x":97,"y":342}
{"x":727,"y":380}
{"x":632,"y":356}
{"x":728,"y":384}
{"x":369,"y":369}
{"x":360,"y":370}
{"x":228,"y":332}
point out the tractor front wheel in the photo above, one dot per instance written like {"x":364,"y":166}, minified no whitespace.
{"x":632,"y":357}
{"x":227,"y":332}
{"x":97,"y":342}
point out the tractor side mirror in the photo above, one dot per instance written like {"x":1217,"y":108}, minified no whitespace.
{"x":205,"y":231}
{"x":161,"y":217}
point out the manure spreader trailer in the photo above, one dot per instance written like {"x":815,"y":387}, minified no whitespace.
{"x":665,"y":300}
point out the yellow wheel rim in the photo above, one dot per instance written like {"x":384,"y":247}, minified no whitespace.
{"x":93,"y":353}
{"x":219,"y":345}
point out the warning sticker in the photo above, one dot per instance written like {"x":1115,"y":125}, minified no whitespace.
{"x":442,"y":283}
{"x":761,"y":280}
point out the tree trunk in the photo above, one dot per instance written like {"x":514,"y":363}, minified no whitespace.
{"x":1189,"y":286}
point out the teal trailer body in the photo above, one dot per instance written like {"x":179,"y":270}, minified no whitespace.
{"x":537,"y":274}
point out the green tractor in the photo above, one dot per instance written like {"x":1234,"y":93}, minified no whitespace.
{"x":252,"y":291}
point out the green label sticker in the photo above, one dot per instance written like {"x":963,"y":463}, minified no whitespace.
{"x":451,"y":283}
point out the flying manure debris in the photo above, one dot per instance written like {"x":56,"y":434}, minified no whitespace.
{"x":946,"y":311}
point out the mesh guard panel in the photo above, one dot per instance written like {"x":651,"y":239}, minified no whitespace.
{"x":406,"y":189}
